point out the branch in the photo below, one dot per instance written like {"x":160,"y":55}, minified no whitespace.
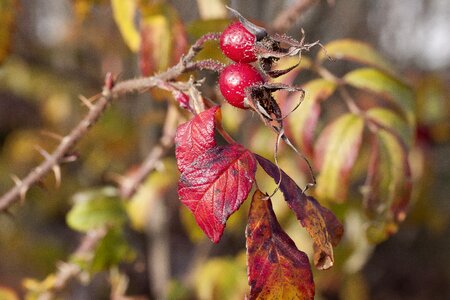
{"x":110,"y":91}
{"x":66,"y":270}
{"x":286,"y":18}
{"x":60,"y":152}
{"x":129,"y":184}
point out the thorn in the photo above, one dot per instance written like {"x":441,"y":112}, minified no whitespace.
{"x":22,"y":188}
{"x":57,"y":171}
{"x":42,"y":151}
{"x":69,"y":157}
{"x":16,"y":179}
{"x":86,"y":102}
{"x":53,"y":135}
{"x":125,"y":183}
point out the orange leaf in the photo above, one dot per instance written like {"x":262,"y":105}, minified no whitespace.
{"x":8,"y":11}
{"x":276,"y":268}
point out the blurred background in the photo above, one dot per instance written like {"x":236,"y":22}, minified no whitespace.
{"x":53,"y":51}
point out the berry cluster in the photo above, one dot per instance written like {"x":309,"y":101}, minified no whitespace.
{"x":241,"y":84}
{"x":238,"y":44}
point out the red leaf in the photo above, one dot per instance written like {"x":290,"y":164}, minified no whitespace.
{"x":215,"y":185}
{"x":321,"y":224}
{"x":196,"y":136}
{"x":276,"y":268}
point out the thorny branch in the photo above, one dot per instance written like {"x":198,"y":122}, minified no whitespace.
{"x":111,"y":90}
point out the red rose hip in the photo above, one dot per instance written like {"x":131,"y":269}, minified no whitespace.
{"x":237,"y":43}
{"x":233,"y":81}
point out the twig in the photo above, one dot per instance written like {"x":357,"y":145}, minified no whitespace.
{"x":110,"y":91}
{"x":286,"y":18}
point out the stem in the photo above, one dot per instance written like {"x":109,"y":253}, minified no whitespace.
{"x":349,"y":101}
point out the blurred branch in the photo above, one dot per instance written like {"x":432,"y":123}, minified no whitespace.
{"x":68,"y":271}
{"x":286,"y":18}
{"x":110,"y":91}
{"x":129,"y":184}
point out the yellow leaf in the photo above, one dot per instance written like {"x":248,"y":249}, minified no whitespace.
{"x":357,"y":51}
{"x":124,"y":14}
{"x":7,"y":294}
{"x":211,"y":9}
{"x":335,"y":153}
{"x":155,"y":188}
{"x":385,"y":86}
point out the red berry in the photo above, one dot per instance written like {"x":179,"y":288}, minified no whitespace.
{"x":233,"y":81}
{"x":238,"y":43}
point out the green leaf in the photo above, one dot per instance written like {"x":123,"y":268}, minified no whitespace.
{"x":393,"y":122}
{"x":95,"y":209}
{"x":211,"y":49}
{"x":387,"y":191}
{"x":433,"y":100}
{"x":221,"y":278}
{"x":386,"y":86}
{"x":302,"y":122}
{"x":197,"y":28}
{"x":7,"y":19}
{"x":357,"y":51}
{"x":433,"y":108}
{"x":335,"y":154}
{"x":124,"y":15}
{"x":112,"y":250}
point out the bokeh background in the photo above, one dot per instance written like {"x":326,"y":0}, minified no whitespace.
{"x":53,"y":51}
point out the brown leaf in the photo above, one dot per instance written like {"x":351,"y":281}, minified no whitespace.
{"x":276,"y":268}
{"x":324,"y":228}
